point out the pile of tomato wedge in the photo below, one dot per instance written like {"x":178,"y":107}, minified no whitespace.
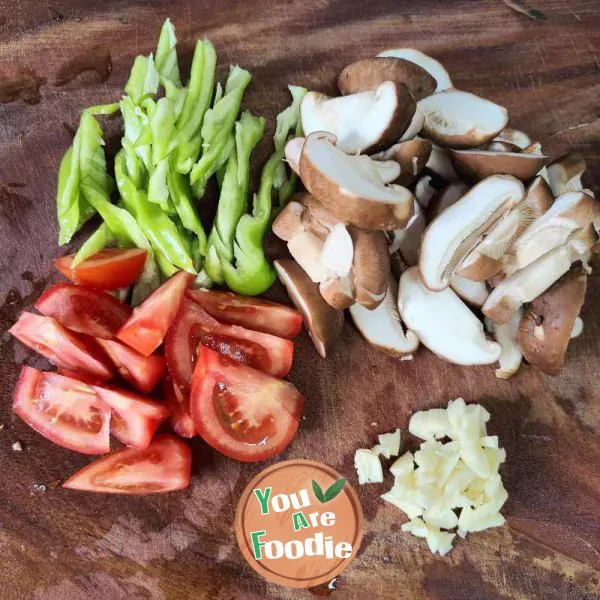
{"x":201,"y":362}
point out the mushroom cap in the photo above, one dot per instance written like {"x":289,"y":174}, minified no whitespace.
{"x":368,"y":73}
{"x":382,"y":327}
{"x":351,"y":187}
{"x":461,"y":120}
{"x":338,"y":292}
{"x":479,"y":164}
{"x":431,"y":65}
{"x":450,"y":237}
{"x":412,"y":156}
{"x":362,"y":122}
{"x":565,"y":173}
{"x":289,"y":221}
{"x":371,"y":267}
{"x":323,"y":322}
{"x":514,"y":137}
{"x":478,"y":267}
{"x":538,"y":196}
{"x":547,"y":324}
{"x":316,"y":218}
{"x":443,"y":323}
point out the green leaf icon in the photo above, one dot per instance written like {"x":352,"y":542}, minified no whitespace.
{"x":332,"y":491}
{"x":318,"y":491}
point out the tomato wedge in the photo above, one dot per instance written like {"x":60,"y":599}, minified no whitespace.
{"x":147,"y":326}
{"x":65,"y":349}
{"x":109,"y":269}
{"x":241,"y":412}
{"x":164,"y":466}
{"x":135,"y":418}
{"x":83,"y":309}
{"x":142,"y":372}
{"x":193,"y":325}
{"x":247,"y":311}
{"x":64,"y":410}
{"x":179,"y":404}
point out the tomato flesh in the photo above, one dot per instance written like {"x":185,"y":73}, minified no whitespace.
{"x":193,"y":326}
{"x":109,"y":269}
{"x":242,"y":412}
{"x":135,"y":418}
{"x":179,"y":404}
{"x":65,"y":349}
{"x":142,"y":372}
{"x":84,"y":310}
{"x":164,"y":466}
{"x":145,"y":330}
{"x":64,"y":410}
{"x":247,"y":311}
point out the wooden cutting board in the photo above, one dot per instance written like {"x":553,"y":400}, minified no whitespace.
{"x":543,"y":63}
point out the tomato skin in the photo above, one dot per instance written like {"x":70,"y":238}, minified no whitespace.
{"x":164,"y":466}
{"x":142,"y":372}
{"x":193,"y":325}
{"x":145,"y":330}
{"x":109,"y":269}
{"x":36,"y":396}
{"x":84,"y":310}
{"x":135,"y":418}
{"x":250,"y":312}
{"x":65,"y":349}
{"x":241,"y":412}
{"x":181,"y":418}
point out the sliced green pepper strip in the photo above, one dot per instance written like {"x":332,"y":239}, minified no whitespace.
{"x":197,"y":101}
{"x":233,"y":199}
{"x":162,"y":127}
{"x":166,"y":55}
{"x":253,"y":274}
{"x":104,"y":109}
{"x":216,"y":128}
{"x":67,"y":195}
{"x":158,"y":191}
{"x":99,"y":240}
{"x":158,"y":228}
{"x":149,"y":280}
{"x":143,"y":80}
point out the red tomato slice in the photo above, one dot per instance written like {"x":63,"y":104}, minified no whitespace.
{"x":84,"y":377}
{"x":253,"y":313}
{"x":193,"y":325}
{"x":64,"y":410}
{"x":164,"y":466}
{"x":109,"y":269}
{"x":142,"y":372}
{"x":181,"y":418}
{"x":147,"y":326}
{"x":135,"y":418}
{"x":84,"y":310}
{"x":241,"y":412}
{"x":65,"y":349}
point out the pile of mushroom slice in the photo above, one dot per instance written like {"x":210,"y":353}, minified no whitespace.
{"x":434,"y":222}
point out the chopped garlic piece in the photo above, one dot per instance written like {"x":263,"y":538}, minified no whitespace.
{"x":489,"y":441}
{"x":404,"y":464}
{"x":368,"y":466}
{"x":389,"y":444}
{"x":17,"y":447}
{"x":444,"y":518}
{"x":430,"y":424}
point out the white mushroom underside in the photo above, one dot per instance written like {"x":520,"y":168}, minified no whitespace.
{"x":444,"y":324}
{"x":431,"y":65}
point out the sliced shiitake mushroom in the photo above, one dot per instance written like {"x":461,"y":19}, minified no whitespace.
{"x":323,"y":322}
{"x":306,"y":248}
{"x":565,"y":173}
{"x":363,"y":122}
{"x":338,"y":292}
{"x":498,"y":146}
{"x":458,"y":229}
{"x":382,"y":327}
{"x":351,"y":187}
{"x":368,"y":73}
{"x":337,"y":253}
{"x":425,"y":191}
{"x":577,"y":328}
{"x":514,"y":137}
{"x":546,"y":326}
{"x":289,"y":221}
{"x":412,"y":156}
{"x":407,"y":241}
{"x":443,"y":323}
{"x":316,"y":218}
{"x":479,"y":164}
{"x":538,"y":197}
{"x":446,"y":197}
{"x":527,"y":284}
{"x":431,"y":65}
{"x":479,"y":267}
{"x":440,"y":164}
{"x":415,"y":127}
{"x":474,"y":293}
{"x":461,"y":120}
{"x":371,"y":266}
{"x":293,"y":150}
{"x":571,"y":211}
{"x":507,"y":335}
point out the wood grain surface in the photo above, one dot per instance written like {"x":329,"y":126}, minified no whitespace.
{"x":542,"y":61}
